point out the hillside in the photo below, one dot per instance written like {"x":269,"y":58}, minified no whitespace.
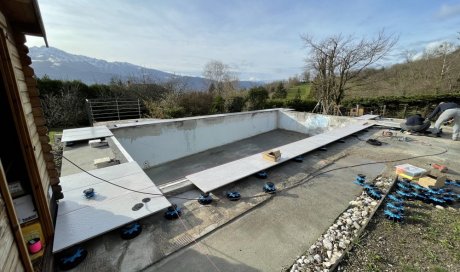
{"x":429,"y":75}
{"x":303,"y":89}
{"x":58,"y":64}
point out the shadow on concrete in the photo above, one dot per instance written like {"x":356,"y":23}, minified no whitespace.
{"x":287,"y":194}
{"x":191,"y":260}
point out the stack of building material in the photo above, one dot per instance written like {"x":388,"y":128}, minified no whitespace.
{"x":410,"y":172}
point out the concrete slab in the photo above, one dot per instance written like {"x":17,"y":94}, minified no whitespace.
{"x":84,"y":155}
{"x":80,"y":219}
{"x":267,"y":239}
{"x":216,"y":177}
{"x":87,"y":133}
{"x":180,"y":168}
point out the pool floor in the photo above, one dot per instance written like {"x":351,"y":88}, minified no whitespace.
{"x":180,"y":168}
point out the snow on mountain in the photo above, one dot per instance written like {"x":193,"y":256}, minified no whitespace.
{"x":58,"y":64}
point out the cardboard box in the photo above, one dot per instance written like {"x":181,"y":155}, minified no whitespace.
{"x":436,"y":182}
{"x":272,"y":155}
{"x":25,"y":209}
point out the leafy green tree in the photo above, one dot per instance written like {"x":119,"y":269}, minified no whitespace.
{"x":47,"y":85}
{"x":297,"y":95}
{"x":196,"y":103}
{"x":218,"y":104}
{"x":212,"y":88}
{"x":257,"y":96}
{"x":280,"y":91}
{"x":234,"y":104}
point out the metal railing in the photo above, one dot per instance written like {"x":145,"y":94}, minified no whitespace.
{"x":100,"y":110}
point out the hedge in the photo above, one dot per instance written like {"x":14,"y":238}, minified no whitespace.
{"x":419,"y":100}
{"x":296,"y":104}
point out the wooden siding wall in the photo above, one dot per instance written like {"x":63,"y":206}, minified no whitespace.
{"x":34,"y":114}
{"x":9,"y":253}
{"x":33,"y":132}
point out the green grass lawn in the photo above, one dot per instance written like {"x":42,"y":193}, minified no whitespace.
{"x":304,"y":91}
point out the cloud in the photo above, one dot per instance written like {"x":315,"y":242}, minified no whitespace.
{"x":258,"y":39}
{"x":433,"y":47}
{"x":447,"y":11}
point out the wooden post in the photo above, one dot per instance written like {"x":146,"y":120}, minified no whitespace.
{"x":14,"y":223}
{"x":384,"y":110}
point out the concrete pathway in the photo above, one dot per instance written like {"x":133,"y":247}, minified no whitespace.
{"x":269,"y":237}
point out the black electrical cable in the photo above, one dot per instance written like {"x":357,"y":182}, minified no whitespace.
{"x":356,"y":165}
{"x":312,"y":176}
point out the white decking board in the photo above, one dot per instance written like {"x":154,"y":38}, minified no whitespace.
{"x":388,"y":123}
{"x":216,"y":177}
{"x":367,"y":117}
{"x":104,"y":192}
{"x":80,"y":219}
{"x":83,"y":180}
{"x":86,"y":133}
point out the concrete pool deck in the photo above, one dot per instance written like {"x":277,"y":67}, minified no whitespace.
{"x":263,"y":233}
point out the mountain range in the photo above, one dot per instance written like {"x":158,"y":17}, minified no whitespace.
{"x":58,"y":64}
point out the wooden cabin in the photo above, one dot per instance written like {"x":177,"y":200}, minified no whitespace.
{"x":29,"y":183}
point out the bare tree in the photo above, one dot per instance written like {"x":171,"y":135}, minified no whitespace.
{"x":443,"y":52}
{"x":337,"y":59}
{"x":443,"y":61}
{"x":306,"y":76}
{"x":66,"y":108}
{"x":409,"y":55}
{"x":220,"y":77}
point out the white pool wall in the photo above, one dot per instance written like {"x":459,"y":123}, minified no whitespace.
{"x":310,"y":123}
{"x":154,"y":143}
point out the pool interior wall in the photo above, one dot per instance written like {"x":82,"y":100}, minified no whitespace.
{"x":152,"y":143}
{"x":178,"y":169}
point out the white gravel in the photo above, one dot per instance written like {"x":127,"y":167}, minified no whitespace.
{"x":330,"y":246}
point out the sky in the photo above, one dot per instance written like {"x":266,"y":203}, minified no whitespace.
{"x":258,"y":39}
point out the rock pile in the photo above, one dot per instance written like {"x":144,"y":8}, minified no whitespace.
{"x":330,"y":247}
